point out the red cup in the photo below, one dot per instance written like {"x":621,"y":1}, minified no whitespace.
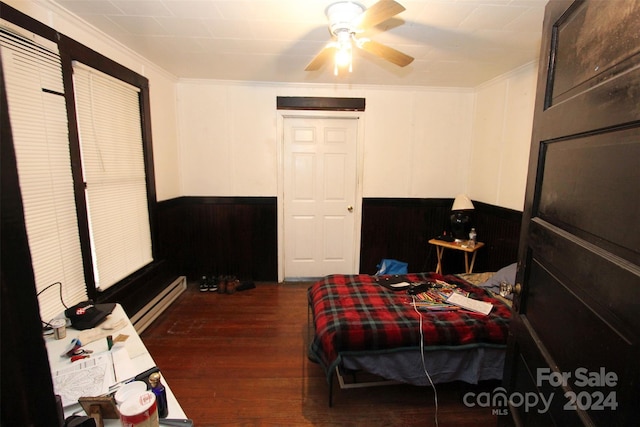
{"x":139,"y":410}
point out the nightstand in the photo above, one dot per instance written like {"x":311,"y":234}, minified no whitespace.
{"x":441,"y":245}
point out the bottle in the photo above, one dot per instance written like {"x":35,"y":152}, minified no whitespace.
{"x":472,"y":238}
{"x":161,"y":394}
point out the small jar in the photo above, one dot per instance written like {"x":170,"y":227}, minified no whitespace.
{"x":59,"y":327}
{"x":472,"y":238}
{"x":161,"y":394}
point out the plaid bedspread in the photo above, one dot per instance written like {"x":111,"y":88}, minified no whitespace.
{"x":352,"y":314}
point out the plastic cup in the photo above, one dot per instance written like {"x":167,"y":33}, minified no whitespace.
{"x":140,"y":410}
{"x":128,"y":390}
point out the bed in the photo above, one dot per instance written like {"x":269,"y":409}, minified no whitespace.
{"x":360,"y":323}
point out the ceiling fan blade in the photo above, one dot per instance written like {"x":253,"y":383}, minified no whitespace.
{"x":323,"y":56}
{"x":385,"y":52}
{"x":377,"y":13}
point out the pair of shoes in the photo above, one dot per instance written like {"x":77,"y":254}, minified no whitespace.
{"x":208,"y":284}
{"x":213,"y":284}
{"x":227,"y":284}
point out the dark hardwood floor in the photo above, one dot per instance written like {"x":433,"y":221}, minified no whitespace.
{"x":240,"y":360}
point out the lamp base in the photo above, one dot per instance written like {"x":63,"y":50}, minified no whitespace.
{"x":460,"y":226}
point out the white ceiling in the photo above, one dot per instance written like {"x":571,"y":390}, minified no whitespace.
{"x":460,"y":43}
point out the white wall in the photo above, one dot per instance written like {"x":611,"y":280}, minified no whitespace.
{"x":220,"y":138}
{"x":164,"y":131}
{"x":228,"y":138}
{"x":502,"y":125}
{"x":162,"y":86}
{"x":418,"y":142}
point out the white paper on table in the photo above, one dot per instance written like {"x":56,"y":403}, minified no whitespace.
{"x":86,"y":377}
{"x":122,"y":364}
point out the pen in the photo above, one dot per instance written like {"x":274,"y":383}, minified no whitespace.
{"x":140,"y":377}
{"x":176,"y":422}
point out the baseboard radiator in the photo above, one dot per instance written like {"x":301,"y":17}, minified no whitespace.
{"x":150,"y":312}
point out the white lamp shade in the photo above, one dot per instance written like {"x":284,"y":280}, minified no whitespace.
{"x":462,"y":203}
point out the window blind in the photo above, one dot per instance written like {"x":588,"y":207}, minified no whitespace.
{"x":110,"y":130}
{"x":38,"y":116}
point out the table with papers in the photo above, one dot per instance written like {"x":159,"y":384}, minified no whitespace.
{"x":104,"y":367}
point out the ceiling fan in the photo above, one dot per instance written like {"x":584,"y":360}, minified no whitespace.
{"x":348,"y":19}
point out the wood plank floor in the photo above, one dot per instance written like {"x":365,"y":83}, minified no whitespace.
{"x":240,"y":360}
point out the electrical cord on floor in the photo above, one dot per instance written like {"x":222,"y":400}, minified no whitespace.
{"x":47,"y":324}
{"x":424,"y":366}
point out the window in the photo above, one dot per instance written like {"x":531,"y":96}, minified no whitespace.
{"x":38,"y":115}
{"x":86,"y":181}
{"x":109,"y":125}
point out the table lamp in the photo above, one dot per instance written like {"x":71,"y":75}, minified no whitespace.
{"x":460,"y":223}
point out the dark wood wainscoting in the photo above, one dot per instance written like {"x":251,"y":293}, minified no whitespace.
{"x":137,"y":290}
{"x":220,"y":235}
{"x":499,"y":229}
{"x":401,"y":228}
{"x":238,"y":235}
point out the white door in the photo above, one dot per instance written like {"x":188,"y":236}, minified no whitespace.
{"x":320,"y":184}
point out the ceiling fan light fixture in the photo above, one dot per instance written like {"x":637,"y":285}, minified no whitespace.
{"x":348,"y":19}
{"x":344,"y":52}
{"x":342,"y":14}
{"x":343,"y":56}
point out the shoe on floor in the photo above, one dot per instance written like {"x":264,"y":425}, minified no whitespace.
{"x":204,"y":284}
{"x":213,"y":284}
{"x":222,"y":285}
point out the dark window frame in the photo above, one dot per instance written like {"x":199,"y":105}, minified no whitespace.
{"x":71,"y":50}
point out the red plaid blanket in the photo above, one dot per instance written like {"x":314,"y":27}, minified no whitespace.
{"x":354,"y":314}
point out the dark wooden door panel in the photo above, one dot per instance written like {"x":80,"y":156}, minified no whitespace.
{"x":603,"y":282}
{"x":583,"y":189}
{"x":524,"y":379}
{"x":584,"y":89}
{"x":568,"y":326}
{"x":585,"y":57}
{"x":577,"y":317}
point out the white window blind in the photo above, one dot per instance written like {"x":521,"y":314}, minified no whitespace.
{"x":110,"y":131}
{"x":38,"y":116}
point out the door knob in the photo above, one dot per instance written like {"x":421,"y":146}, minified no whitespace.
{"x":508,"y":288}
{"x":350,"y":208}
